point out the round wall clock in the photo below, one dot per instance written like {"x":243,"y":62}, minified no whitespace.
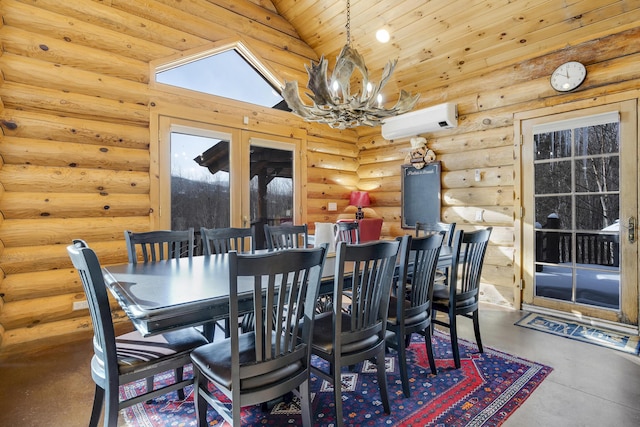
{"x":568,"y":76}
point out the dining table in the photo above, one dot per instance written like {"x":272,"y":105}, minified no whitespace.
{"x":178,"y":293}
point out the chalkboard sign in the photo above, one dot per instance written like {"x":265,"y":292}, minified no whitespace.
{"x":420,"y":194}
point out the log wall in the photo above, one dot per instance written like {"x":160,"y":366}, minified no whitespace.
{"x":484,"y":140}
{"x":75,"y":108}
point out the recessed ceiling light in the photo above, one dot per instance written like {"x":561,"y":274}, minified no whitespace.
{"x":382,"y":35}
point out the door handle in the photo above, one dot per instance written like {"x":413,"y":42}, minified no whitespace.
{"x":632,"y":229}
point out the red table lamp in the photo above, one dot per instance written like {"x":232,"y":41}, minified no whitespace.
{"x":359,"y":199}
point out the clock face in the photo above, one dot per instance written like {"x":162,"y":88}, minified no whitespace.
{"x":568,"y":76}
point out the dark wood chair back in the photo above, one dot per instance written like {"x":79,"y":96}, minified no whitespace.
{"x":447,"y":230}
{"x":86,"y":263}
{"x":468,"y":255}
{"x":347,"y":338}
{"x":417,"y":271}
{"x":223,"y":240}
{"x":347,"y":231}
{"x":462,"y":295}
{"x":123,"y":359}
{"x":275,"y":357}
{"x":286,"y":236}
{"x":411,"y":306}
{"x":159,"y":245}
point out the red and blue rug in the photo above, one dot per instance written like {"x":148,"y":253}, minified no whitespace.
{"x":485,"y":391}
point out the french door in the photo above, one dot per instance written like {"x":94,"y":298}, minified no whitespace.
{"x":580,"y":200}
{"x":215,"y":176}
{"x":273,"y":172}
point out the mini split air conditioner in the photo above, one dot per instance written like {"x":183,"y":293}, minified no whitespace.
{"x":438,"y":117}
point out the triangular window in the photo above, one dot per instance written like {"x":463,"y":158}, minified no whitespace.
{"x":230,"y":73}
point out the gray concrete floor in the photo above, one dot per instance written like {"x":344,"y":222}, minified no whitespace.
{"x":589,"y":386}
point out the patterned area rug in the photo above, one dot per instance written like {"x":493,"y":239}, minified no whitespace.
{"x":485,"y":391}
{"x":585,"y":333}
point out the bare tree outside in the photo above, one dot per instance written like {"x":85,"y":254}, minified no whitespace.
{"x":199,"y":196}
{"x":577,"y":205}
{"x":578,"y":168}
{"x":199,"y":203}
{"x":200,"y":187}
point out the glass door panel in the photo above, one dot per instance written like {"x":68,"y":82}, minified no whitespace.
{"x":272,"y":184}
{"x":576,"y":201}
{"x":213,"y":176}
{"x":197,"y":184}
{"x":200,"y":184}
{"x":577,"y":255}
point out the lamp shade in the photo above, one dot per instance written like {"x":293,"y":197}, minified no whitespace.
{"x":359,"y":199}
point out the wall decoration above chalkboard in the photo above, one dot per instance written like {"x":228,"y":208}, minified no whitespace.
{"x":420,"y":194}
{"x":420,"y":154}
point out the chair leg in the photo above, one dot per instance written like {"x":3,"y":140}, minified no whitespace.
{"x":111,"y":406}
{"x":402,"y":360}
{"x":149,"y":387}
{"x":200,"y":403}
{"x":179,"y":374}
{"x":227,"y":328}
{"x":407,"y":340}
{"x":235,"y":412}
{"x":434,"y":313}
{"x":98,"y":400}
{"x":209,"y":331}
{"x":476,"y":330}
{"x":337,"y":394}
{"x":453,"y":331}
{"x":305,"y":404}
{"x":429,"y":345}
{"x":382,"y":380}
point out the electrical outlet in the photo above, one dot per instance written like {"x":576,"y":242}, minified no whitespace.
{"x":80,"y":305}
{"x":332,"y":206}
{"x":478,"y":175}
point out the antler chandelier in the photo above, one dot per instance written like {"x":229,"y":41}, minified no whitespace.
{"x":333,"y":103}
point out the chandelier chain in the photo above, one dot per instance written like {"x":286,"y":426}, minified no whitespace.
{"x":348,"y":26}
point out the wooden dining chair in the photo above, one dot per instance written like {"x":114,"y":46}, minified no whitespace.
{"x":461,"y":297}
{"x":159,"y":245}
{"x":273,"y":359}
{"x":428,"y":228}
{"x":286,"y":236}
{"x":347,"y":231}
{"x":119,"y":360}
{"x":345,"y":339}
{"x":152,"y":246}
{"x":223,"y":240}
{"x":447,"y":230}
{"x":412,"y":314}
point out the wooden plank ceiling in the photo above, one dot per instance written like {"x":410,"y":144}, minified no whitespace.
{"x":439,"y":42}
